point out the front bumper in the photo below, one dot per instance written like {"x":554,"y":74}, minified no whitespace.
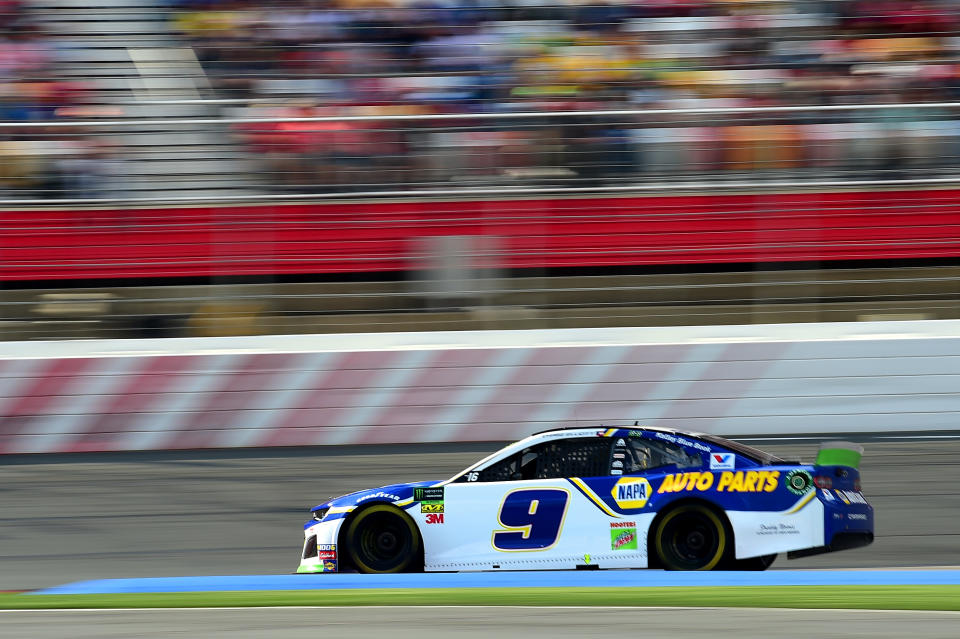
{"x":319,"y":553}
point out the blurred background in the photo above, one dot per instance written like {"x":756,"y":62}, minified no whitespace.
{"x":202,"y":168}
{"x":230,"y":167}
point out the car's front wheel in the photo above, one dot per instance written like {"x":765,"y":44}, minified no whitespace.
{"x":691,"y":537}
{"x":382,"y":539}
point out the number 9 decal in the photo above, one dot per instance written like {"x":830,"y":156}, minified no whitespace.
{"x":531,"y":518}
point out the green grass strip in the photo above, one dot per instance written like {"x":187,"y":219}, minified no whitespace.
{"x":872,"y":597}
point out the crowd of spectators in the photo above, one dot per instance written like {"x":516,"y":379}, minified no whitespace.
{"x":38,"y":156}
{"x":334,"y":58}
{"x":470,"y":73}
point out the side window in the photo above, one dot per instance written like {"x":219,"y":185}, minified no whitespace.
{"x":557,"y":459}
{"x":574,"y":457}
{"x":647,"y":454}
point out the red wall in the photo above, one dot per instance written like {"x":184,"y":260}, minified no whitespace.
{"x":382,"y":236}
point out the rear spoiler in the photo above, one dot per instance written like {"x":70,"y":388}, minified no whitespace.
{"x":839,"y":454}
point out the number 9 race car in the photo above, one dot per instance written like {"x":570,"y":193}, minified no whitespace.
{"x":577,"y":498}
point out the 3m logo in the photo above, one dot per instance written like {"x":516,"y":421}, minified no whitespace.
{"x":722,"y":461}
{"x":435,"y":518}
{"x":631,"y":492}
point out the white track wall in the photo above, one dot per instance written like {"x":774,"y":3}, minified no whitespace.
{"x":471,"y":386}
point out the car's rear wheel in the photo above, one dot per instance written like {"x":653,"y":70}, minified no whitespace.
{"x":382,"y":539}
{"x":691,"y":537}
{"x":753,"y":563}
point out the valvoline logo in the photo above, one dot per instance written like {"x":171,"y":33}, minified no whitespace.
{"x":723,"y":461}
{"x":631,"y":492}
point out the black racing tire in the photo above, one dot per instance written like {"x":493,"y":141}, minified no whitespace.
{"x":691,"y":537}
{"x":382,"y":539}
{"x":754,"y":563}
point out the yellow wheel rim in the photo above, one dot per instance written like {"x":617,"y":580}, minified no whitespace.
{"x":381,"y":542}
{"x":708,"y":514}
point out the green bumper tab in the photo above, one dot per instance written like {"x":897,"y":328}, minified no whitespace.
{"x":309,"y":569}
{"x":839,"y":454}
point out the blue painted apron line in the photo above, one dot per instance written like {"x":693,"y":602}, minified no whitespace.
{"x":535,"y":579}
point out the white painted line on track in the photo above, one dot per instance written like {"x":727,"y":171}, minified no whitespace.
{"x":467,"y":606}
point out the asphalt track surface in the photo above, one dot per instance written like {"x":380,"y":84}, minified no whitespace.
{"x":71,"y":518}
{"x":479,"y":622}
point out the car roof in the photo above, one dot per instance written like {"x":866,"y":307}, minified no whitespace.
{"x":660,"y":429}
{"x":737,"y":447}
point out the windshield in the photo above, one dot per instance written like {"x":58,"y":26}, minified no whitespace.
{"x":755,"y":454}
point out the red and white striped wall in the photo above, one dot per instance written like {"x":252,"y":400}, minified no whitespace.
{"x":473,"y":386}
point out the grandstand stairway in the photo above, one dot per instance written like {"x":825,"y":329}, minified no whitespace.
{"x":140,"y":70}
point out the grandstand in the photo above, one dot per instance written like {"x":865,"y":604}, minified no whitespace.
{"x":670,"y":71}
{"x":153,"y":146}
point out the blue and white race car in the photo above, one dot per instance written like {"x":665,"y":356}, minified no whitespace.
{"x":583,"y":498}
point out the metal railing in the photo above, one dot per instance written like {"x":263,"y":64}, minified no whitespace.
{"x":357,"y":154}
{"x":476,"y":301}
{"x":146,"y":101}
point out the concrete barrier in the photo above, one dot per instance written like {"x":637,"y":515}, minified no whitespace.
{"x":476,"y":385}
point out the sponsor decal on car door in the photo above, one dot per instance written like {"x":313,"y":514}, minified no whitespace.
{"x":536,"y":524}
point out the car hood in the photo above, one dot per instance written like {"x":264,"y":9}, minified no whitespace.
{"x":391,"y":493}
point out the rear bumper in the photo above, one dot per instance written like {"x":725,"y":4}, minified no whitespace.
{"x":847,"y":520}
{"x":841,"y":541}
